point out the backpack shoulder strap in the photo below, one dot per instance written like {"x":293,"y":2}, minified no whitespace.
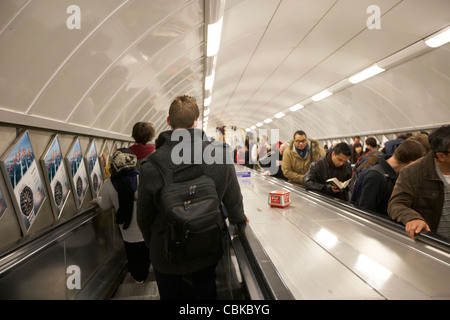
{"x":169,"y":174}
{"x":165,"y":172}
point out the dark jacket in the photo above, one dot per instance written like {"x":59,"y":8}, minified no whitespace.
{"x":322,"y":170}
{"x":418,"y":194}
{"x":151,"y":221}
{"x":377,"y":187}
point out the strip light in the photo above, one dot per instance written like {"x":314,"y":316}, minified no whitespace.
{"x":296,"y":107}
{"x":279,"y":115}
{"x":214,"y":32}
{"x":321,"y":95}
{"x":365,"y":74}
{"x":439,"y":39}
{"x":207,"y":101}
{"x":209,"y":81}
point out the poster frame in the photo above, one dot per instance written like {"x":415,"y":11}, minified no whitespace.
{"x":4,"y":207}
{"x":93,"y":168}
{"x":32,"y":176}
{"x":61,"y":173}
{"x":79,"y":194}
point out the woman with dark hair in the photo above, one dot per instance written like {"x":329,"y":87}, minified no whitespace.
{"x":143,"y":133}
{"x":357,"y":152}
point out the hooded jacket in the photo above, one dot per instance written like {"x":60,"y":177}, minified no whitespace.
{"x":151,"y":220}
{"x":295,"y":167}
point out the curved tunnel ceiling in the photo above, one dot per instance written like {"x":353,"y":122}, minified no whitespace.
{"x":129,"y":59}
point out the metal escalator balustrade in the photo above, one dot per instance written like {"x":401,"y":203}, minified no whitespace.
{"x":65,"y":261}
{"x":326,"y":249}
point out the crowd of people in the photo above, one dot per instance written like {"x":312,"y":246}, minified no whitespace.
{"x":408,"y":180}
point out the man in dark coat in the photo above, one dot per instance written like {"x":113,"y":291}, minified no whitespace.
{"x":379,"y":180}
{"x":185,"y":144}
{"x":333,"y":165}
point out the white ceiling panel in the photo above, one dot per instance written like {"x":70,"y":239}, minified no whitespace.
{"x":36,"y":42}
{"x":130,"y":58}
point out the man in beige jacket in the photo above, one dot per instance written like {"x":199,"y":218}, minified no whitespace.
{"x":299,"y":156}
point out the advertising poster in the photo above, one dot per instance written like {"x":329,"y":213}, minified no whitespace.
{"x":94,"y":169}
{"x":53,"y":164}
{"x":24,"y":179}
{"x":3,"y":205}
{"x":78,"y":172}
{"x":104,"y":160}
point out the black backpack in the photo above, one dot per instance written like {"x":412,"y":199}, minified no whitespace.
{"x":357,"y":191}
{"x":192,"y":215}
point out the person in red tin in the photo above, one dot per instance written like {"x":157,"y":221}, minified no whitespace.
{"x":143,"y":133}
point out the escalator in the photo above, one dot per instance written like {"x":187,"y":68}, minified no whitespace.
{"x":84,"y":259}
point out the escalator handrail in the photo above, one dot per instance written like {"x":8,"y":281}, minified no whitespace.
{"x":31,"y":245}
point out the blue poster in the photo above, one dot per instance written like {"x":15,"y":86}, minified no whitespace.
{"x":23,"y":174}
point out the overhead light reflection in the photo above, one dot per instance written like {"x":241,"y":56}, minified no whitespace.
{"x":326,"y":239}
{"x":374,"y":273}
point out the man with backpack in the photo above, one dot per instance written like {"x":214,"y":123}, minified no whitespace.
{"x":375,"y":183}
{"x":182,"y":186}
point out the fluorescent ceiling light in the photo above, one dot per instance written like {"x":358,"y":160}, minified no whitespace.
{"x":268,"y":120}
{"x":365,"y":74}
{"x":209,"y":81}
{"x":253,"y":127}
{"x":296,"y":107}
{"x":321,"y":95}
{"x":259,"y":124}
{"x":247,"y":129}
{"x":439,"y":39}
{"x":279,"y":115}
{"x":206,"y":112}
{"x":205,"y":119}
{"x":207,"y":101}
{"x":214,"y":32}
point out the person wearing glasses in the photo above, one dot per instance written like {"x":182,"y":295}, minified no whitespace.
{"x":421,"y":196}
{"x":298,"y":157}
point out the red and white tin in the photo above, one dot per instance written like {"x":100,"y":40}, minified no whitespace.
{"x":279,"y":198}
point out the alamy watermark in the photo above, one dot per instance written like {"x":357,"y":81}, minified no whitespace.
{"x":374,"y":20}
{"x":74,"y":279}
{"x":190,"y":149}
{"x":74,"y":20}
